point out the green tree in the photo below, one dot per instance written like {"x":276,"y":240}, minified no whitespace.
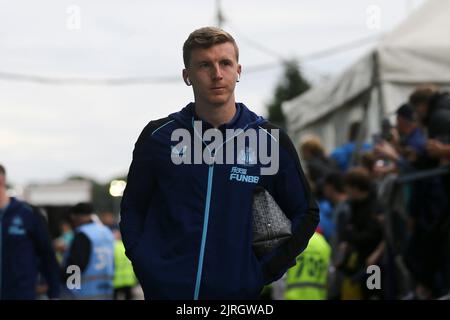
{"x":291,"y":85}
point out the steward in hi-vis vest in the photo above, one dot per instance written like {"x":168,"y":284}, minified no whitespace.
{"x":307,"y":280}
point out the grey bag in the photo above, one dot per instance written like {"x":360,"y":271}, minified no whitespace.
{"x":271,"y":227}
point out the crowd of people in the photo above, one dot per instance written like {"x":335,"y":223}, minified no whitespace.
{"x":383,"y":203}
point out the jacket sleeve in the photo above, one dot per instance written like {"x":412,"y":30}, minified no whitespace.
{"x":48,"y":266}
{"x":138,"y":192}
{"x":79,"y":254}
{"x":291,"y":191}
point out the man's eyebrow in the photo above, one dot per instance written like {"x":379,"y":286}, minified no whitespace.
{"x":208,"y":61}
{"x":202,"y":61}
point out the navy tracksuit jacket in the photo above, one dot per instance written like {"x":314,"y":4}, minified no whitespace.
{"x":187,"y":228}
{"x":25,"y":251}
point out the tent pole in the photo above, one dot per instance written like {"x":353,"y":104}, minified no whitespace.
{"x":365,"y":118}
{"x":379,"y":86}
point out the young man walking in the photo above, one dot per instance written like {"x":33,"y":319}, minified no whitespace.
{"x":186,"y":213}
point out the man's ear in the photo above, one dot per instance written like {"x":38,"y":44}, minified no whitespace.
{"x":239,"y":70}
{"x":186,"y":77}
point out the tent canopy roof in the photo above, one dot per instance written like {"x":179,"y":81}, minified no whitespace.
{"x":417,"y":51}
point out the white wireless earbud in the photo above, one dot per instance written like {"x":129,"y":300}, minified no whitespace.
{"x":188,"y":82}
{"x":238,"y":78}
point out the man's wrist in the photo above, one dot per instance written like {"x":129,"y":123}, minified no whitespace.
{"x":445,"y":151}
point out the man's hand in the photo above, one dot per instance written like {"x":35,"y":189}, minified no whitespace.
{"x":381,"y":171}
{"x":437,"y":149}
{"x":395,"y":137}
{"x":386,"y":149}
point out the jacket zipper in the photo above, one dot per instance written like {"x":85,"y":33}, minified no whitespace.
{"x":206,"y":214}
{"x":205,"y":231}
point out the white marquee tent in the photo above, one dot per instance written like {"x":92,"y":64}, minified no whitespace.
{"x":416,"y":52}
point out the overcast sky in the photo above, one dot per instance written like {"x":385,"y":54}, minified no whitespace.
{"x":49,"y":131}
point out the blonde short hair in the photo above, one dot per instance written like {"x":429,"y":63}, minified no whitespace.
{"x":205,"y":38}
{"x":313,"y":144}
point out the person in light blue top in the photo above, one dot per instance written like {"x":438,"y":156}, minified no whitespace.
{"x":92,"y":251}
{"x":343,"y":154}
